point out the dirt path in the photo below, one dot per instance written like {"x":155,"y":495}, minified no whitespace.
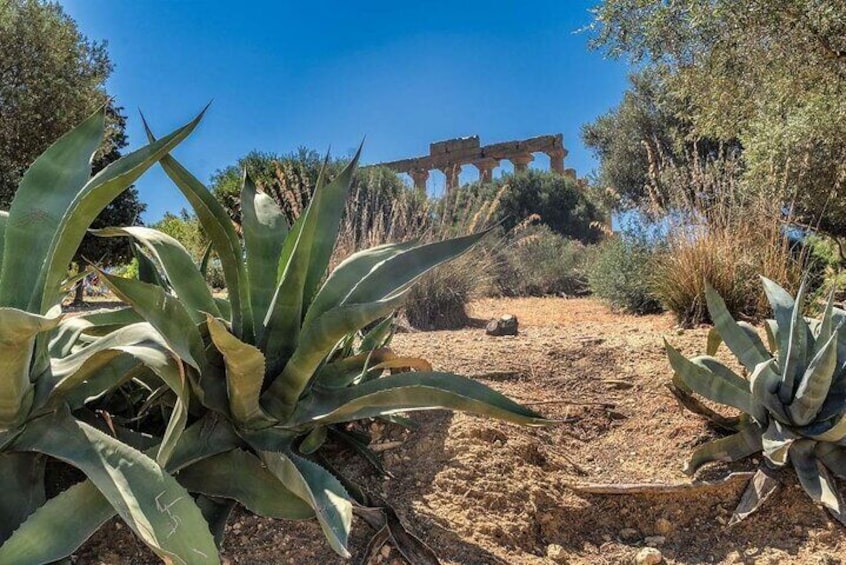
{"x":482,"y":492}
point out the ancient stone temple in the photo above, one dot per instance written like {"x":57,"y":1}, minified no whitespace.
{"x":450,"y":155}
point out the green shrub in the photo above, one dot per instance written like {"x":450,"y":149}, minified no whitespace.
{"x":620,"y":273}
{"x":540,"y":263}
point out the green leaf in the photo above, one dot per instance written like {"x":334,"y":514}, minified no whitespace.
{"x":55,"y":530}
{"x":776,"y":442}
{"x":149,"y":500}
{"x":4,"y":218}
{"x":713,"y":380}
{"x":746,"y":442}
{"x":217,"y":225}
{"x":69,"y":330}
{"x":178,"y":266}
{"x":405,"y":392}
{"x":379,"y":337}
{"x":792,"y":357}
{"x":749,"y":351}
{"x":46,"y":192}
{"x":22,"y":478}
{"x":244,"y":375}
{"x":265,"y":228}
{"x":814,"y":477}
{"x":240,"y":476}
{"x":317,"y":341}
{"x":320,"y":490}
{"x":18,"y":331}
{"x":815,"y":384}
{"x":765,"y":383}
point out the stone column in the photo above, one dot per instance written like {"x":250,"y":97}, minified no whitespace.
{"x":556,"y":159}
{"x":521,"y":161}
{"x":486,"y":167}
{"x":451,"y":172}
{"x":420,"y":176}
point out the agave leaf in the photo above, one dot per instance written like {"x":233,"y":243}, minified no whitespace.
{"x":22,"y":477}
{"x":45,"y":193}
{"x":782,"y":304}
{"x":265,"y":228}
{"x":97,"y":193}
{"x":343,"y":372}
{"x":18,"y":331}
{"x":746,"y":442}
{"x":833,"y":430}
{"x":302,"y":265}
{"x":833,"y":457}
{"x":714,"y":340}
{"x":148,"y":272}
{"x":776,"y":442}
{"x":349,"y":273}
{"x":314,"y":440}
{"x":761,"y":486}
{"x":749,"y":351}
{"x":320,"y":490}
{"x":216,"y":512}
{"x":415,"y":363}
{"x":814,"y":477}
{"x":316,"y":342}
{"x":792,"y":357}
{"x":218,"y":227}
{"x":4,"y":218}
{"x":240,"y":476}
{"x":714,"y":381}
{"x":69,"y":330}
{"x":765,"y":383}
{"x":405,"y":392}
{"x":772,"y":331}
{"x":55,"y":529}
{"x":815,"y":384}
{"x":379,"y":337}
{"x":361,"y":447}
{"x":244,"y":375}
{"x":203,"y":267}
{"x":149,"y":500}
{"x":178,"y":266}
{"x":398,"y":272}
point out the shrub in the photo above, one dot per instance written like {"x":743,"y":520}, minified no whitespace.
{"x":539,"y":262}
{"x":293,"y":354}
{"x":620,"y":271}
{"x":792,"y":405}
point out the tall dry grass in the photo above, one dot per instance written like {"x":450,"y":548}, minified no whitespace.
{"x":722,"y":232}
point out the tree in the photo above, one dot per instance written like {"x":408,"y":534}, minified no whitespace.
{"x":768,"y":73}
{"x":186,"y":229}
{"x":51,"y":78}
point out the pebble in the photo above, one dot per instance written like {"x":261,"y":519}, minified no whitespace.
{"x":648,"y":556}
{"x":556,"y":553}
{"x":385,"y":551}
{"x":663,"y":526}
{"x":655,"y":540}
{"x":629,"y":534}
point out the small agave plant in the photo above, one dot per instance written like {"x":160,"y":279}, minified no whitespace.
{"x":285,"y":359}
{"x":47,"y":376}
{"x":793,"y":403}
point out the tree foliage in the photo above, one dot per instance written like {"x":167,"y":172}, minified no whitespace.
{"x":769,"y":73}
{"x":51,"y":78}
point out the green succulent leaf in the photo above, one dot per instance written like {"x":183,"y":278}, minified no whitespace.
{"x":217,"y":225}
{"x":814,"y":477}
{"x":713,"y":380}
{"x":18,"y":331}
{"x":320,"y":490}
{"x":36,"y":212}
{"x":265,"y":228}
{"x":4,"y":218}
{"x":833,"y":457}
{"x":765,"y":383}
{"x":405,"y":392}
{"x":776,"y":442}
{"x":149,"y":500}
{"x":815,"y":383}
{"x":750,"y":351}
{"x":178,"y":266}
{"x":792,"y":357}
{"x":746,"y":442}
{"x":69,"y":330}
{"x":240,"y":476}
{"x":244,"y":375}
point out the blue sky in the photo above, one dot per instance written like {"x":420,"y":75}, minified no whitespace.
{"x":325,"y":74}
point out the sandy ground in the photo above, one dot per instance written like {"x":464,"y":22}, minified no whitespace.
{"x":484,"y":492}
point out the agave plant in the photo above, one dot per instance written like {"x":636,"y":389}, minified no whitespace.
{"x":793,"y":403}
{"x":47,"y":375}
{"x":277,"y":364}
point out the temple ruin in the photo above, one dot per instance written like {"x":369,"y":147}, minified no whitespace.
{"x":450,"y":155}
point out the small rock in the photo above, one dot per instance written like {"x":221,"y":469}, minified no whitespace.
{"x":663,"y":526}
{"x":556,"y":553}
{"x":655,"y":540}
{"x":648,"y":556}
{"x":506,"y":325}
{"x":629,"y":534}
{"x":385,"y":551}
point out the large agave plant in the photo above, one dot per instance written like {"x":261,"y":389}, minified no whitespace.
{"x":793,"y":403}
{"x":47,"y":375}
{"x":277,"y":364}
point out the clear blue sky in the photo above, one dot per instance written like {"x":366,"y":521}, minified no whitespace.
{"x":318,"y":74}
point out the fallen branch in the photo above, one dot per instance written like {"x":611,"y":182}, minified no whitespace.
{"x":656,"y":488}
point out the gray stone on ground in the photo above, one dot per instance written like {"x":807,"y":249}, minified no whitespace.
{"x":506,"y":325}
